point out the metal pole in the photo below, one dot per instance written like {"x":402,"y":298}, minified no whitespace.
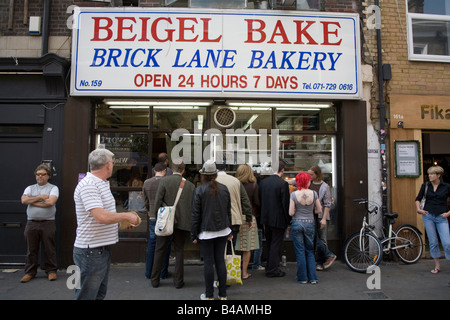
{"x":382,"y":111}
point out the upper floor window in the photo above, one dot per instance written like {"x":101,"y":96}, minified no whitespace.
{"x":429,"y":30}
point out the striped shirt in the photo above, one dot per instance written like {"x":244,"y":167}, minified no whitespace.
{"x":92,"y":192}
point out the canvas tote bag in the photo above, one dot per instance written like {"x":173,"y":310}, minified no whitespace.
{"x":165,"y":216}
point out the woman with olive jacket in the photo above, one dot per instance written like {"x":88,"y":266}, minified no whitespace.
{"x":210,"y":225}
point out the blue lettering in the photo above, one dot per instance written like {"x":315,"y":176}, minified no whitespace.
{"x":125,"y":60}
{"x":195,"y":58}
{"x":215,"y":59}
{"x":257,"y":56}
{"x":271,"y":60}
{"x":113,"y":55}
{"x":98,"y":54}
{"x":333,"y":61}
{"x":133,"y":56}
{"x":176,"y":64}
{"x":151,"y":56}
{"x":301,"y":60}
{"x":318,"y":60}
{"x":226,"y":58}
{"x":286,"y":56}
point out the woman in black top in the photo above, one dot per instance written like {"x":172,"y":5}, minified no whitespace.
{"x":435,"y":214}
{"x":210,"y":225}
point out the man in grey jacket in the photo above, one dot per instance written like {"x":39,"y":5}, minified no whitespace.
{"x":165,"y":196}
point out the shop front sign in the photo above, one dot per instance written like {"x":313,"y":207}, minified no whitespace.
{"x":419,"y":112}
{"x":229,"y":53}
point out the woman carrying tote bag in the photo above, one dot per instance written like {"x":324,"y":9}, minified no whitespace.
{"x":211,"y":221}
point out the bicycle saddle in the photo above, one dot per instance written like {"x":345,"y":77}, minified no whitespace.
{"x":392,"y":215}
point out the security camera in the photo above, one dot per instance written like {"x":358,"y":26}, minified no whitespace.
{"x":400,"y":124}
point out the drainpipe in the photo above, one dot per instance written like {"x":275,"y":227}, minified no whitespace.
{"x":382,"y":111}
{"x":45,"y":27}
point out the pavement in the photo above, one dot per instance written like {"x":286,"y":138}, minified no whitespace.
{"x":392,"y":281}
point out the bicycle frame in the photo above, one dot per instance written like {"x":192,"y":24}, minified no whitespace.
{"x":387,"y":243}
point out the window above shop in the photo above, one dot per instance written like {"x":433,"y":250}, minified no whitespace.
{"x":246,"y":4}
{"x":429,"y":30}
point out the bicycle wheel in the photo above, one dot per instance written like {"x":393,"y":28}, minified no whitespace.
{"x":362,"y":252}
{"x":412,"y":245}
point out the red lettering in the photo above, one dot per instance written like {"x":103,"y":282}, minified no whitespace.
{"x":206,"y":31}
{"x":281,"y":32}
{"x":326,"y":32}
{"x":303,"y":32}
{"x":97,"y":29}
{"x":155,"y":30}
{"x":121,"y":28}
{"x":183,"y":29}
{"x":251,"y":29}
{"x":144,"y":29}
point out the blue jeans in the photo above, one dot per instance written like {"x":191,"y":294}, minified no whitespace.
{"x":302,"y":234}
{"x":151,"y":253}
{"x":257,"y":252}
{"x":433,"y":226}
{"x":94,"y":268}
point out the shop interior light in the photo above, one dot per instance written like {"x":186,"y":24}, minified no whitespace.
{"x":129,"y":107}
{"x":299,"y":109}
{"x":277,"y":104}
{"x":156,"y":103}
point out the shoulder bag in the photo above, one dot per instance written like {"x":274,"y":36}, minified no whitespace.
{"x":422,"y":202}
{"x":165,"y":217}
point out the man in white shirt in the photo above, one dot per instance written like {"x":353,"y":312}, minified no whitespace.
{"x":98,"y":224}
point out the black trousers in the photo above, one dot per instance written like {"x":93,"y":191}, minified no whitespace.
{"x":37,"y":232}
{"x":179,"y":237}
{"x":274,"y":241}
{"x":213,"y":252}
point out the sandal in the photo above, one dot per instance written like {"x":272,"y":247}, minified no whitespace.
{"x":248,"y":276}
{"x":435,"y":271}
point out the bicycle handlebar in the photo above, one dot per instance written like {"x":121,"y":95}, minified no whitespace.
{"x":365,"y":201}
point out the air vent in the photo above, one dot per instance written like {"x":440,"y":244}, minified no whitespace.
{"x":224,"y":117}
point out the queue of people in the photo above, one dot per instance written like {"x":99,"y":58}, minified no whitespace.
{"x":223,"y":208}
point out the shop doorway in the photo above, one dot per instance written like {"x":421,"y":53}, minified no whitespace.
{"x":436,"y":151}
{"x":22,"y":152}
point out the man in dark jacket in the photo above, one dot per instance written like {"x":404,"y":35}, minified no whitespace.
{"x":165,"y":196}
{"x":274,"y":197}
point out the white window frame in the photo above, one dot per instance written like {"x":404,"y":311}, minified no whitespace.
{"x":424,"y":57}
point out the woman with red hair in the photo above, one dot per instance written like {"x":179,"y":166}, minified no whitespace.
{"x":303,"y":204}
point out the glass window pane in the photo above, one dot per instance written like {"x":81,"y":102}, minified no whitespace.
{"x":130,"y":157}
{"x":246,"y":118}
{"x":129,"y":173}
{"x":429,"y":6}
{"x":123,"y":117}
{"x":176,"y":117}
{"x":321,"y":119}
{"x":430,"y":37}
{"x":300,"y":153}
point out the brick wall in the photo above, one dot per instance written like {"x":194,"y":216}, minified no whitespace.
{"x":60,"y":12}
{"x":408,"y":77}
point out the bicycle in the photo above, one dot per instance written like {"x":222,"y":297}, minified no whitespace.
{"x":365,"y":248}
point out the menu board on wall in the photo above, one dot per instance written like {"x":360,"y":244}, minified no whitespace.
{"x":407,"y":159}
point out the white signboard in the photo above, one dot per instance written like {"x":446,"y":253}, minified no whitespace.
{"x":215,"y":53}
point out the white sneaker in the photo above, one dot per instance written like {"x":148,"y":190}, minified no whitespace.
{"x":204,"y":297}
